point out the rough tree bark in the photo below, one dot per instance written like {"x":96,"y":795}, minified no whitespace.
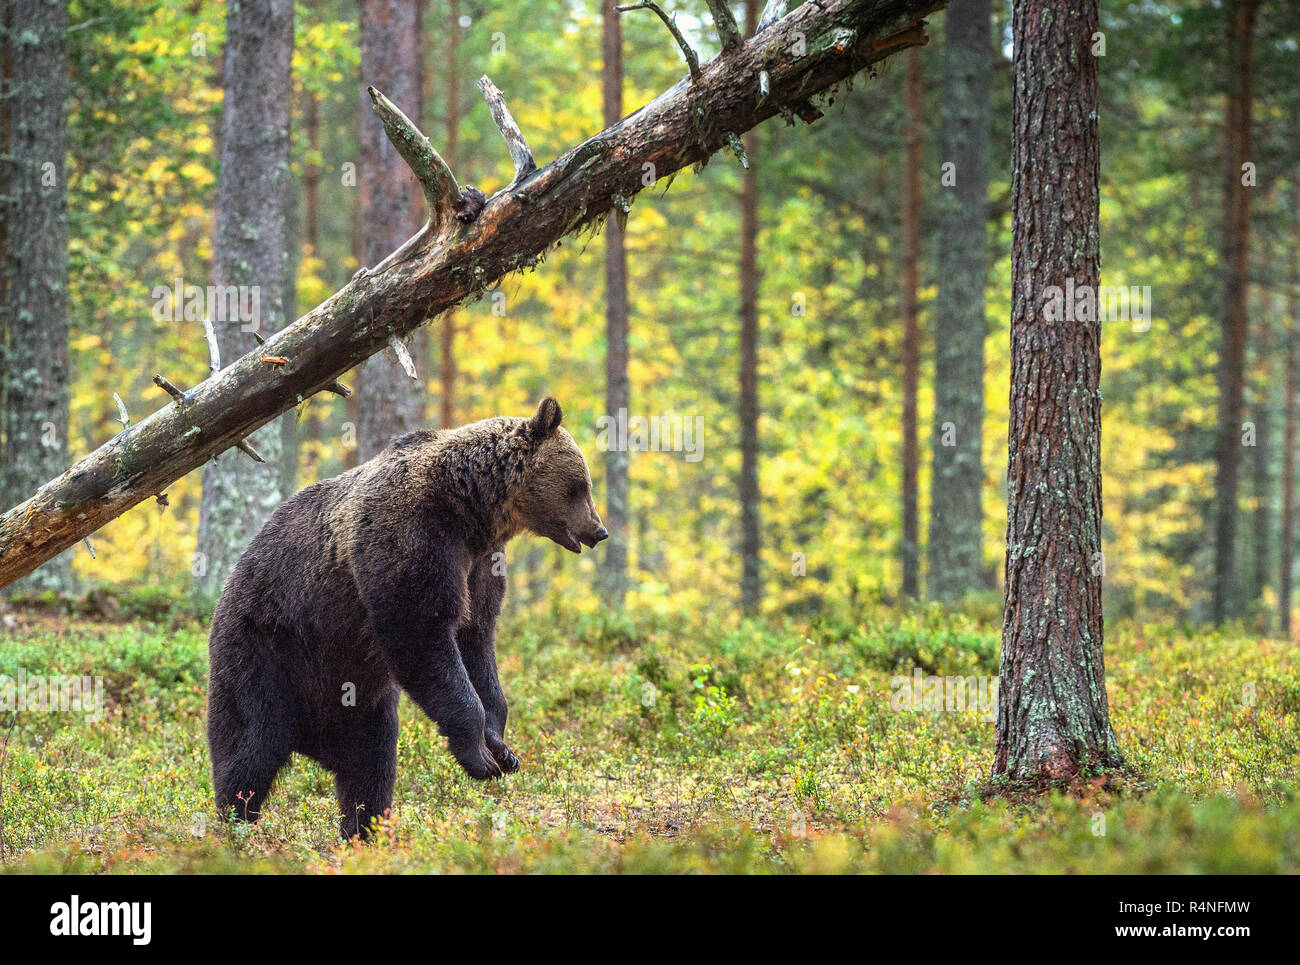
{"x":389,"y":400}
{"x":910,"y":548}
{"x":6,"y":96}
{"x":956,"y":527}
{"x":311,"y":179}
{"x":1053,"y":717}
{"x":289,"y":437}
{"x":613,"y":565}
{"x":451,"y":259}
{"x":1262,"y":385}
{"x":1235,"y":259}
{"x":447,"y":324}
{"x":1291,"y":332}
{"x":250,"y":247}
{"x":751,"y":580}
{"x":34,"y":324}
{"x":351,"y":404}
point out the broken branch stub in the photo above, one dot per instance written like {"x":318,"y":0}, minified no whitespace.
{"x":214,"y":350}
{"x":725,"y":24}
{"x":774,"y":11}
{"x":441,"y":191}
{"x":688,"y":52}
{"x":337,"y":387}
{"x":520,"y":153}
{"x":243,"y":445}
{"x":403,"y":357}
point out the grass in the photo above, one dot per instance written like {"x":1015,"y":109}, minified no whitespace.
{"x":681,"y":747}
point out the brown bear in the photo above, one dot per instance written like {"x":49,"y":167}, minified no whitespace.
{"x":388,"y":577}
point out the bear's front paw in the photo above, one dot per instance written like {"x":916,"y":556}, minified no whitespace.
{"x":503,"y":755}
{"x":479,"y":763}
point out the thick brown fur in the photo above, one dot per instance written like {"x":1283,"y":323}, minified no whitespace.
{"x":388,"y":577}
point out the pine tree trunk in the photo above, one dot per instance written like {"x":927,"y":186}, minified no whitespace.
{"x":389,"y":401}
{"x":1291,"y":332}
{"x":1261,"y":471}
{"x":288,"y":310}
{"x":311,"y":178}
{"x":956,"y":519}
{"x":352,"y":404}
{"x":250,"y":251}
{"x":311,"y":174}
{"x":447,"y":324}
{"x":910,"y":550}
{"x":1053,"y":716}
{"x":614,"y":578}
{"x":1235,"y":258}
{"x":6,"y":84}
{"x":751,"y":581}
{"x":34,"y":323}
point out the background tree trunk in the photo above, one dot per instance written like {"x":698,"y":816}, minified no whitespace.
{"x":751,"y":581}
{"x":913,"y":100}
{"x":956,"y":519}
{"x":613,"y":570}
{"x":311,"y":178}
{"x":289,"y":310}
{"x":1053,"y":716}
{"x":389,"y":402}
{"x":447,"y":324}
{"x":1235,"y":258}
{"x":34,"y":324}
{"x":1291,"y":331}
{"x":352,"y":404}
{"x":6,"y":173}
{"x":251,"y":249}
{"x":1262,"y":385}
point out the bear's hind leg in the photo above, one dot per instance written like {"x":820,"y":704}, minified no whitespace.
{"x":251,"y":731}
{"x":367,"y":769}
{"x":243,"y":780}
{"x":363,"y":796}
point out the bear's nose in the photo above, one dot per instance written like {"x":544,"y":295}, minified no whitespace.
{"x":601,"y":534}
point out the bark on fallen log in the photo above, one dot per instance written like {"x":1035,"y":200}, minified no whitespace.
{"x":453,"y":258}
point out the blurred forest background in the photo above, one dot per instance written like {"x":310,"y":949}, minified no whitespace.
{"x":836,"y":523}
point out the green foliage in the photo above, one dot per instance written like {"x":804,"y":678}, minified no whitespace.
{"x":927,"y":638}
{"x":682,"y":745}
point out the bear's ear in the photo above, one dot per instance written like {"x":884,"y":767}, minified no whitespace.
{"x":545,"y":420}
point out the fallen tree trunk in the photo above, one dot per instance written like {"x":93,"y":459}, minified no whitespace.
{"x":466,"y":246}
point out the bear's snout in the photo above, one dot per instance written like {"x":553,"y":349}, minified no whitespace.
{"x":593,"y":536}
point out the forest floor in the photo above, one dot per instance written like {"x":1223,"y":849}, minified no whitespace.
{"x":687,"y":747}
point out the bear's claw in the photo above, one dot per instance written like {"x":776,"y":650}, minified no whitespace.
{"x":503,"y":755}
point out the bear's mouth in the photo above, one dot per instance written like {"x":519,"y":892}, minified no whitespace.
{"x":570,"y":542}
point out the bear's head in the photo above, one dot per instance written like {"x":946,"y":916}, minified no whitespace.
{"x":554,"y":497}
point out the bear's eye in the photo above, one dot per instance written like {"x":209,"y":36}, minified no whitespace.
{"x":578,"y":491}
